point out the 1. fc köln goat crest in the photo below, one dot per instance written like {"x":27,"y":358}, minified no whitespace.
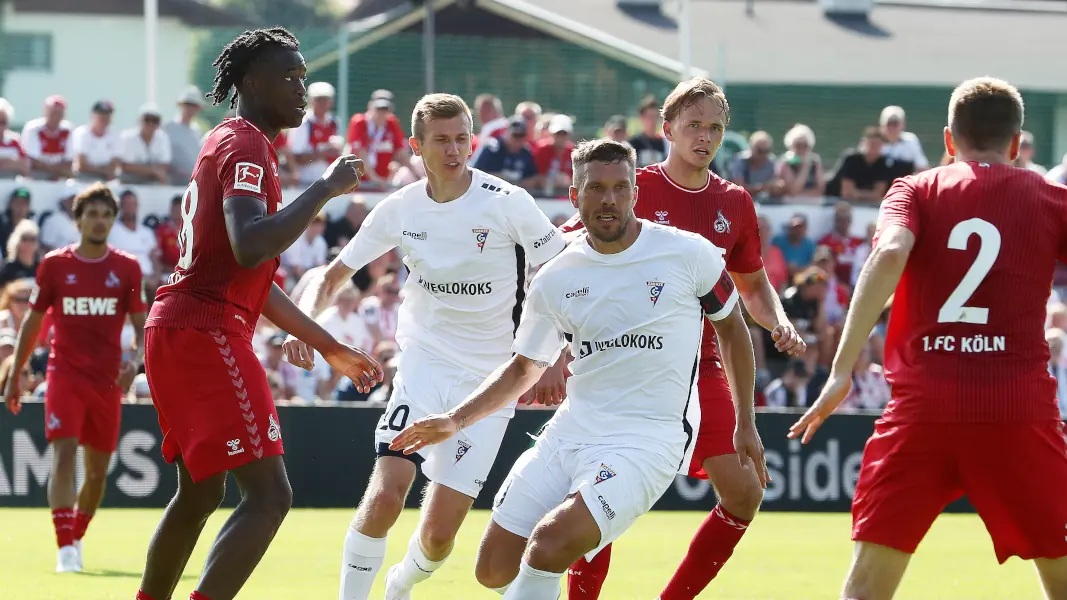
{"x":655,"y":288}
{"x":480,"y":235}
{"x":721,"y":225}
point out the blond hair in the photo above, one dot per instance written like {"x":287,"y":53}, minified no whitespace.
{"x":985,"y":113}
{"x":24,"y":227}
{"x":438,"y":106}
{"x":688,"y":93}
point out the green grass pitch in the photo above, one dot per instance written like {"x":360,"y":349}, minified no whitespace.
{"x":790,"y":556}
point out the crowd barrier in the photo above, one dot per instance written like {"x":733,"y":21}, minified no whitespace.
{"x":330,"y":454}
{"x":155,"y":200}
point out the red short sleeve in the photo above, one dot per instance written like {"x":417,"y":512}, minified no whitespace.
{"x":136,"y":302}
{"x":899,"y":208}
{"x":746,"y":255}
{"x":357,"y":131}
{"x":244,"y":161}
{"x":397,"y":131}
{"x":44,"y":294}
{"x":573,"y":224}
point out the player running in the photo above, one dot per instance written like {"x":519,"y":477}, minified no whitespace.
{"x":467,"y":237}
{"x":90,"y":288}
{"x":969,"y":249}
{"x":683,"y":193}
{"x":211,"y":393}
{"x":629,"y":294}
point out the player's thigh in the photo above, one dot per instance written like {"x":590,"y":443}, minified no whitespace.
{"x":875,"y":572}
{"x":64,"y":407}
{"x":1015,"y":475}
{"x":907,"y":477}
{"x":618,"y":485}
{"x":419,"y":390}
{"x":103,"y":418}
{"x":538,"y":482}
{"x":715,"y":435}
{"x":213,"y":398}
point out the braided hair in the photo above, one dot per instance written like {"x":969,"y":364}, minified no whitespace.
{"x":235,"y":59}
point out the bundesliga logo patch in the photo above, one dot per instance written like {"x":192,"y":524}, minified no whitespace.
{"x":249,"y":177}
{"x":480,"y":235}
{"x":655,"y":288}
{"x":461,"y":450}
{"x":604,"y":474}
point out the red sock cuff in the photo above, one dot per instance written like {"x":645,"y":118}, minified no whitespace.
{"x":198,"y":596}
{"x":81,"y":524}
{"x":731,"y":519}
{"x":143,"y":596}
{"x":63,"y":522}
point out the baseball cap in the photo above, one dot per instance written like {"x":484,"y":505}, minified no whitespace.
{"x":150,"y":110}
{"x":616,"y":121}
{"x":517,"y":126}
{"x":7,"y":337}
{"x":560,"y":123}
{"x":103,"y":106}
{"x":379,"y":94}
{"x":55,"y":100}
{"x":20,"y":192}
{"x":320,"y":89}
{"x":381,"y":103}
{"x":191,"y":95}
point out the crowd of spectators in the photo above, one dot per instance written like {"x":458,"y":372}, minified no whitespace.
{"x":814,"y":272}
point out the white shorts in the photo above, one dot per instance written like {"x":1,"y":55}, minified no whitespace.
{"x":423,"y":386}
{"x":618,"y":484}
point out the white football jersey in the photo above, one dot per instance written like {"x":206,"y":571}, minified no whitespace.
{"x":634,"y":319}
{"x":467,"y":261}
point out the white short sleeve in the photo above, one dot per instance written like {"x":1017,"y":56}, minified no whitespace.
{"x":377,"y":235}
{"x":77,"y":140}
{"x":532,"y":229}
{"x":31,"y":143}
{"x":716,"y":290}
{"x":161,"y":141}
{"x":300,"y":139}
{"x":539,"y":336}
{"x":131,"y":149}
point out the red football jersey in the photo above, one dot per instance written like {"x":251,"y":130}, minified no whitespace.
{"x":721,"y":212}
{"x":89,"y":300}
{"x":966,"y":338}
{"x":208,"y":289}
{"x":381,"y":143}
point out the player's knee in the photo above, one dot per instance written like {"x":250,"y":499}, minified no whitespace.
{"x":200,"y":501}
{"x":384,"y":502}
{"x":64,"y":458}
{"x":493,"y":574}
{"x":436,"y":539}
{"x":275,"y":500}
{"x":553,"y":548}
{"x":742,"y":498}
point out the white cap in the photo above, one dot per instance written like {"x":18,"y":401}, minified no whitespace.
{"x":191,"y":95}
{"x":560,"y":123}
{"x":320,"y":89}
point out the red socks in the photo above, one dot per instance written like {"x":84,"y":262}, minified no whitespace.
{"x":63,"y":521}
{"x":81,"y":523}
{"x":585,"y":578}
{"x":712,"y":545}
{"x":143,"y":596}
{"x":198,"y":596}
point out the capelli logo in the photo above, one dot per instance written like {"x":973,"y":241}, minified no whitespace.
{"x":579,"y":293}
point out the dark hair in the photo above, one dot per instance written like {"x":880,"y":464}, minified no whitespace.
{"x":98,"y":192}
{"x":985,"y":113}
{"x":648,"y":103}
{"x":177,"y":200}
{"x":233,"y":63}
{"x":603,"y":151}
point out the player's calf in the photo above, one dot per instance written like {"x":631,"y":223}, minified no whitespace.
{"x":875,"y":573}
{"x":1053,"y":573}
{"x":499,"y":556}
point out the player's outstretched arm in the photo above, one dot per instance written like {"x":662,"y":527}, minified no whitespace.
{"x":257,"y":237}
{"x":502,"y":387}
{"x":877,"y":281}
{"x":27,"y":339}
{"x":766,"y":308}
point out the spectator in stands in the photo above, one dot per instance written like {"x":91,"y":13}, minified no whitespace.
{"x":862,"y":252}
{"x":316,"y":143}
{"x":903,"y":151}
{"x":287,"y":170}
{"x":530,"y":112}
{"x":553,"y":156}
{"x":96,"y":147}
{"x":309,"y":250}
{"x":46,"y":140}
{"x":773,"y":259}
{"x":800,"y":168}
{"x":14,"y":302}
{"x":13,"y":160}
{"x":1059,"y":172}
{"x":22,"y":251}
{"x":650,"y":146}
{"x":146,"y":150}
{"x":1057,"y":339}
{"x":490,"y":113}
{"x":863,"y":174}
{"x":130,"y":235}
{"x":274,"y":361}
{"x":796,"y":246}
{"x":381,"y":310}
{"x":302,"y":282}
{"x":186,"y":136}
{"x":1026,"y":154}
{"x":167,"y":237}
{"x":8,"y":339}
{"x":842,"y":243}
{"x":340,"y":231}
{"x":376,"y":137}
{"x":869,"y":388}
{"x":837,"y":291}
{"x":804,"y":303}
{"x":58,"y":228}
{"x":1057,"y":316}
{"x":791,"y":389}
{"x":343,"y":321}
{"x":756,"y":169}
{"x":508,"y":157}
{"x":616,"y":129}
{"x":410,"y":173}
{"x":541,"y":131}
{"x":18,"y":209}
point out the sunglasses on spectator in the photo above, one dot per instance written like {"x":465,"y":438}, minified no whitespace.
{"x":393,"y":291}
{"x":28,"y":238}
{"x":151,"y":120}
{"x":21,"y":299}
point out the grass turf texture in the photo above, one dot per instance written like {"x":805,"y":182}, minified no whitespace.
{"x":791,"y":556}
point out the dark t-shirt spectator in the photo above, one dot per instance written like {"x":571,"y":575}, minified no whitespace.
{"x":14,"y":270}
{"x":650,"y":150}
{"x":339,"y":232}
{"x":800,"y":311}
{"x":497,"y":158}
{"x":863,"y":174}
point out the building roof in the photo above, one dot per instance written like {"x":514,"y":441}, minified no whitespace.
{"x":191,"y":12}
{"x":903,"y":42}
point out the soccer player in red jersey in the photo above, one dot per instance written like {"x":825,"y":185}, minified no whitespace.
{"x":969,"y":250}
{"x":89,"y":288}
{"x":211,"y":393}
{"x":682,"y":192}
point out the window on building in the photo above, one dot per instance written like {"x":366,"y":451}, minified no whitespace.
{"x":27,"y":51}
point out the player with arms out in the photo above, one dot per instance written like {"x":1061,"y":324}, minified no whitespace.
{"x":466,"y":237}
{"x":684,"y":193}
{"x":90,"y":289}
{"x":211,"y":393}
{"x":969,"y":250}
{"x":629,"y":293}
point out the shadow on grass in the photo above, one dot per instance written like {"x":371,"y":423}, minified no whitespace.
{"x":132,"y":574}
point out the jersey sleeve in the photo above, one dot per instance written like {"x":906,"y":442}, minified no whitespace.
{"x":899,"y":208}
{"x":136,"y":302}
{"x":243,"y":160}
{"x":377,"y":235}
{"x":746,"y":255}
{"x":716,"y":290}
{"x":539,"y":336}
{"x":44,"y":293}
{"x":573,"y":224}
{"x":531,"y":229}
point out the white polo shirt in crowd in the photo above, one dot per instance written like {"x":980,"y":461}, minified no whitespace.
{"x":140,"y":242}
{"x":99,"y":151}
{"x":60,"y":230}
{"x":907,"y":148}
{"x":136,"y":151}
{"x":305,"y":254}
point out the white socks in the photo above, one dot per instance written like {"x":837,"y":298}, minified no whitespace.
{"x":415,"y":567}
{"x":360,"y":563}
{"x":531,"y":584}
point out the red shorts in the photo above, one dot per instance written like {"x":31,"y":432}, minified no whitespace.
{"x":77,"y":408}
{"x":717,"y":422}
{"x":1014,"y":474}
{"x":215,"y":406}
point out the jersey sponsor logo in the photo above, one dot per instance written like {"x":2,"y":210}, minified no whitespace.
{"x":605,"y":473}
{"x":493,"y":188}
{"x":234,"y":447}
{"x":655,"y":289}
{"x":606,"y":507}
{"x":249,"y":177}
{"x":461,"y":449}
{"x":480,"y":235}
{"x":641,"y":341}
{"x":661,"y":217}
{"x":86,"y":306}
{"x":721,"y":225}
{"x":72,"y":279}
{"x":457,"y":289}
{"x":544,"y":239}
{"x":273,"y":431}
{"x":112,"y":280}
{"x":421,"y":235}
{"x":582,"y":293}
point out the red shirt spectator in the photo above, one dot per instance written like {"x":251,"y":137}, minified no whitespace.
{"x":842,"y":244}
{"x":381,"y":142}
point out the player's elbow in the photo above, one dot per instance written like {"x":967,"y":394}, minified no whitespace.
{"x":891,"y":254}
{"x":732,"y":328}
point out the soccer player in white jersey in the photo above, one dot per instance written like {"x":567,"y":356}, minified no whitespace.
{"x":467,"y":237}
{"x":630,"y":294}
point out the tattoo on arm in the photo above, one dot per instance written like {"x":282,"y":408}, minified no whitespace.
{"x":540,"y":364}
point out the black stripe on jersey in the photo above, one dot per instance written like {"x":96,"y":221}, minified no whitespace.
{"x":520,"y":288}
{"x":687,"y":427}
